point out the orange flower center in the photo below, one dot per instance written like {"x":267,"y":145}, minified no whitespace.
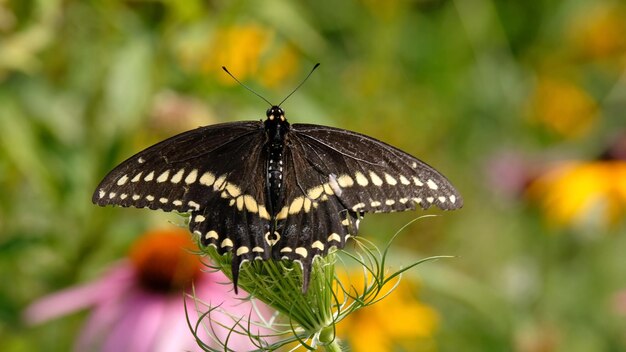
{"x":164,"y":260}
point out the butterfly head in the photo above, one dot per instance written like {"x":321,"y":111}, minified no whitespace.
{"x":276,"y":124}
{"x":276,"y":113}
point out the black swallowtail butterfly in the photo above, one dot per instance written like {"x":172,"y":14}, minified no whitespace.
{"x":271,"y":190}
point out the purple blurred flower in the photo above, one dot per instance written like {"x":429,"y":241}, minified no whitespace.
{"x":619,"y":302}
{"x":509,"y":173}
{"x":137,"y":305}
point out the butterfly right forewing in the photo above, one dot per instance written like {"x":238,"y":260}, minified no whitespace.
{"x":368,"y":175}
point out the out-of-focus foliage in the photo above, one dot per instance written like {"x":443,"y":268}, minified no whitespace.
{"x":85,"y":84}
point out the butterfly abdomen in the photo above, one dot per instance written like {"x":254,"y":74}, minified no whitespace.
{"x":274,"y":176}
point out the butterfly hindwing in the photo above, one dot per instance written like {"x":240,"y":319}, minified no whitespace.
{"x":236,"y":220}
{"x":235,"y":229}
{"x":312,"y":220}
{"x":368,"y":175}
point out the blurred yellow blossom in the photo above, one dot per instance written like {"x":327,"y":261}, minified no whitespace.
{"x":399,"y":320}
{"x":250,"y":50}
{"x":583,"y":192}
{"x":600,"y":32}
{"x":563,"y":107}
{"x":280,"y":66}
{"x":239,"y":48}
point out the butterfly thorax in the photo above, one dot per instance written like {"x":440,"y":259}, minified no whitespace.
{"x":276,"y":127}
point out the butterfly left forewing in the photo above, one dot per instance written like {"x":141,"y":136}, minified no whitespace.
{"x":179,"y":173}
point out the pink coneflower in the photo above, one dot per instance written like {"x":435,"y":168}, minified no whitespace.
{"x":137,"y":305}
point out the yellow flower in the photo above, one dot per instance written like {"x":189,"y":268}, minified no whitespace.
{"x":399,"y":320}
{"x":583,"y":193}
{"x":250,"y":50}
{"x":600,"y":32}
{"x":239,"y":48}
{"x":563,"y":107}
{"x":280,"y":66}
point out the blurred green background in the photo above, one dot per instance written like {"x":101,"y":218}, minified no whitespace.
{"x":519,"y":103}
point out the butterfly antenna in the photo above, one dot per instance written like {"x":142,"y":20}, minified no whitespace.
{"x":245,"y":86}
{"x":300,"y":85}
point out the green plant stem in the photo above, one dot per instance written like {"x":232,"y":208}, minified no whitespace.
{"x":328,"y":339}
{"x":333,"y":347}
